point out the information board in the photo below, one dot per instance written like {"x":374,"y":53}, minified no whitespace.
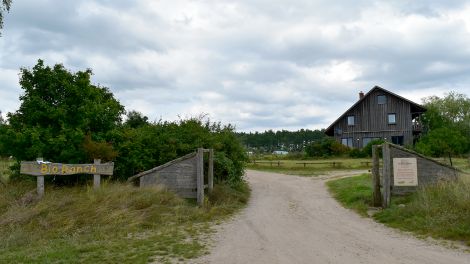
{"x":405,"y":172}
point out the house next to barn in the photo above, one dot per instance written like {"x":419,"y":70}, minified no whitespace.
{"x":379,"y":114}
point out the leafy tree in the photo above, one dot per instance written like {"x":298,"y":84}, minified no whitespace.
{"x":443,"y":141}
{"x":453,"y":111}
{"x":447,"y":123}
{"x":136,"y":119}
{"x":3,"y":132}
{"x":4,"y":7}
{"x":58,"y":108}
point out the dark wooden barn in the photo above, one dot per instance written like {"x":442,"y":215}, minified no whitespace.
{"x":378,"y":114}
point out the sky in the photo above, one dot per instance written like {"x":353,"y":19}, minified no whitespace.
{"x":257,"y":64}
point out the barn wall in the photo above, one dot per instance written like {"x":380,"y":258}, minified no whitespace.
{"x":371,"y":120}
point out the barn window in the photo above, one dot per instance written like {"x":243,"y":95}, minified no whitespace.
{"x":397,"y":140}
{"x":347,"y":142}
{"x":351,"y":120}
{"x":381,"y":99}
{"x":392,"y":119}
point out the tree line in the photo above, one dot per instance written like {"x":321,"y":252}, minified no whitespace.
{"x":269,"y":141}
{"x":65,"y":118}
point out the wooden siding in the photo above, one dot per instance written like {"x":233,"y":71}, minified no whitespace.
{"x":179,"y":177}
{"x":371,"y":120}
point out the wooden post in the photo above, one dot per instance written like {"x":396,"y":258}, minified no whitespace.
{"x":377,"y":201}
{"x":40,"y":181}
{"x":210,"y":174}
{"x":96,"y":177}
{"x":387,"y":171}
{"x":200,"y":176}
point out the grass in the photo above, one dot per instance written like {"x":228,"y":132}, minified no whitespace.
{"x":353,"y":192}
{"x":118,"y":223}
{"x":440,"y":211}
{"x":293,"y":167}
{"x":4,"y":169}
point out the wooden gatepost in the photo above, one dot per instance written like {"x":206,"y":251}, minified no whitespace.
{"x":41,"y":168}
{"x":184,"y":175}
{"x":405,"y":171}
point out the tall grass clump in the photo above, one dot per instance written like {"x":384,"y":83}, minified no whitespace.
{"x":441,"y":210}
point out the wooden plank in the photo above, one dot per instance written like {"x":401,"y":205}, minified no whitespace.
{"x":40,"y":181}
{"x":210,"y":175}
{"x":377,"y":199}
{"x":200,"y":176}
{"x":387,"y":172}
{"x":40,"y":168}
{"x":96,"y":177}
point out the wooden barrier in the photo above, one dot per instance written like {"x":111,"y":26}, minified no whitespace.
{"x":332,"y":163}
{"x":184,"y":175}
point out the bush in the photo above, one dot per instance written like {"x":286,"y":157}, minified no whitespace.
{"x":151,"y":145}
{"x":326,"y":148}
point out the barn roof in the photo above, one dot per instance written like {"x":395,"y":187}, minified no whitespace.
{"x":415,"y":108}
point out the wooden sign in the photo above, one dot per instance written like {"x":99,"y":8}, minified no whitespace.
{"x":405,"y":172}
{"x":45,"y":168}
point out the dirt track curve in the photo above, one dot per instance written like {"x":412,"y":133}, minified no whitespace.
{"x":294,"y":219}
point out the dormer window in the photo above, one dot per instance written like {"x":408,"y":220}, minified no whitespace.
{"x":351,"y":120}
{"x":381,"y":99}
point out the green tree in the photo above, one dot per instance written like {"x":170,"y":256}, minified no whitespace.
{"x":136,"y":119}
{"x":58,"y":108}
{"x":443,"y":141}
{"x":4,"y":7}
{"x":453,"y":111}
{"x":447,"y":123}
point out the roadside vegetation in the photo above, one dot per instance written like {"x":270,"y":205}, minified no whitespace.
{"x":440,"y":211}
{"x":117,"y":223}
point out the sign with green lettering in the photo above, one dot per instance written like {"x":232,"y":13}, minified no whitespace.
{"x":45,"y":168}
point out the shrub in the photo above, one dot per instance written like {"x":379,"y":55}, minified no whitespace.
{"x":326,"y":148}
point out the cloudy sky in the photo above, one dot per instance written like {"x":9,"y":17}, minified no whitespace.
{"x":258,"y":64}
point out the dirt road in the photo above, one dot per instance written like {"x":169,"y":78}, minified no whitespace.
{"x":295,"y":220}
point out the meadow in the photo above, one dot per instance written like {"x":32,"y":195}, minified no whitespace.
{"x":440,"y":211}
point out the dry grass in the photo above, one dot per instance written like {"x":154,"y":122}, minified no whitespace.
{"x":118,"y":223}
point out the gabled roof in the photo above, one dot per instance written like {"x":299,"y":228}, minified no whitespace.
{"x":414,"y":106}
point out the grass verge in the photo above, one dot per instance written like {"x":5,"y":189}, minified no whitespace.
{"x":116,"y":224}
{"x":440,"y":211}
{"x":312,"y":168}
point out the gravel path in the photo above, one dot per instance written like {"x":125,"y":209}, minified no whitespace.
{"x":294,"y":219}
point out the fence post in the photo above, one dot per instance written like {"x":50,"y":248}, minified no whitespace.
{"x":40,"y":181}
{"x":387,"y":171}
{"x":377,"y":201}
{"x":96,"y":177}
{"x":210,"y":174}
{"x":200,"y":176}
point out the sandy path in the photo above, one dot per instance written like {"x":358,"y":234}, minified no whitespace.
{"x":294,"y":220}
